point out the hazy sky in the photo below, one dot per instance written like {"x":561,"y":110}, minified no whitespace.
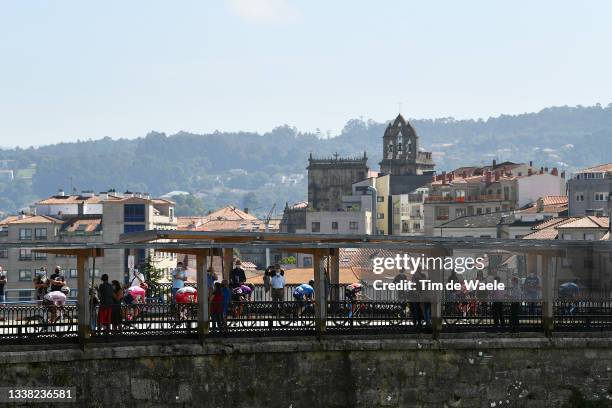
{"x":82,"y":69}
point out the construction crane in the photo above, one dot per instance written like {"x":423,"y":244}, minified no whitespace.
{"x":267,"y":223}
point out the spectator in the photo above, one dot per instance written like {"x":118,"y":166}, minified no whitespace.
{"x":94,"y":302}
{"x":2,"y":283}
{"x":227,"y":298}
{"x":41,"y":283}
{"x":531,"y":288}
{"x":57,"y":280}
{"x":116,"y":312}
{"x":179,"y":278}
{"x":402,"y":295}
{"x":137,"y":278}
{"x":278,"y":284}
{"x":267,"y":278}
{"x":498,"y":307}
{"x":211,"y":277}
{"x":216,"y":308}
{"x":237,"y":275}
{"x":105,"y":291}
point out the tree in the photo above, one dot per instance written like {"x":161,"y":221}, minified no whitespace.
{"x":152,"y":274}
{"x":187,"y":205}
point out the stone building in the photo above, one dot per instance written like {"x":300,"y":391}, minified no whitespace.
{"x":589,"y":189}
{"x":401,"y":154}
{"x":331,"y":178}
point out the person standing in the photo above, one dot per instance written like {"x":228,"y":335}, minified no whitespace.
{"x":105,"y":291}
{"x":227,"y":298}
{"x":2,"y":283}
{"x":277,"y":281}
{"x":237,"y":275}
{"x":216,"y":308}
{"x":211,"y":277}
{"x":116,"y":312}
{"x":41,"y":283}
{"x":179,"y":278}
{"x":57,"y":280}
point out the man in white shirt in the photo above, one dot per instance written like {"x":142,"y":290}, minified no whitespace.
{"x":278,"y":284}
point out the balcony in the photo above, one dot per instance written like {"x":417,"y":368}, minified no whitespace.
{"x":465,"y":199}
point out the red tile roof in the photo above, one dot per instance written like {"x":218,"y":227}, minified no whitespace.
{"x":596,"y":169}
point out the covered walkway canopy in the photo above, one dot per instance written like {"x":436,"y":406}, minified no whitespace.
{"x":322,"y":246}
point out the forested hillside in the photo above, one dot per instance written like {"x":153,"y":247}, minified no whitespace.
{"x":254,"y":170}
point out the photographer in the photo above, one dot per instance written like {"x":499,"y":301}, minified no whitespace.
{"x":41,"y":283}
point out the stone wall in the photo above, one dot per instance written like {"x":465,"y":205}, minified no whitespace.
{"x":337,"y":372}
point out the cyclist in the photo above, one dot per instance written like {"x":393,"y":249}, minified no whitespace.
{"x":303,"y":295}
{"x":353,"y":294}
{"x":240,"y":294}
{"x":184,"y":296}
{"x":134,"y":296}
{"x":54,"y":300}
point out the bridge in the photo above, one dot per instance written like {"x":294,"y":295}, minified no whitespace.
{"x":374,"y":352}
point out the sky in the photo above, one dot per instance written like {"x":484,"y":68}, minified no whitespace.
{"x":74,"y":70}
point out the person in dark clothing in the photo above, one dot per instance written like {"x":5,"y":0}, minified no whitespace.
{"x":105,"y":292}
{"x":56,"y":280}
{"x":237,"y":276}
{"x":116,"y":312}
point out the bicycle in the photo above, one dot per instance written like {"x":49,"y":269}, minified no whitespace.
{"x":240,"y":314}
{"x":289,"y":314}
{"x":468,"y":310}
{"x":38,"y":323}
{"x":353,"y":311}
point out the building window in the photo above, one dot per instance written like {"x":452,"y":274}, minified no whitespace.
{"x":600,"y":196}
{"x":334,"y":225}
{"x":380,"y":216}
{"x":134,"y":213}
{"x":353,"y":225}
{"x":380,"y":199}
{"x":3,"y":253}
{"x":25,"y":254}
{"x":73,"y":293}
{"x":307,"y":261}
{"x":40,"y":233}
{"x":25,"y":234}
{"x":316,"y":227}
{"x":579,"y":197}
{"x":478,"y":211}
{"x":405,"y":226}
{"x":589,"y":237}
{"x":72,"y":273}
{"x":488,"y":210}
{"x":95,"y":273}
{"x":40,"y":256}
{"x":25,"y":275}
{"x":460,"y":212}
{"x":417,"y":226}
{"x":171,"y":212}
{"x":566,"y":236}
{"x":441,"y":213}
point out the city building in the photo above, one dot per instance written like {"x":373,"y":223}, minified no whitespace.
{"x":497,"y":188}
{"x":232,"y":219}
{"x":331,"y":178}
{"x":82,"y":218}
{"x":401,"y":152}
{"x":589,"y":190}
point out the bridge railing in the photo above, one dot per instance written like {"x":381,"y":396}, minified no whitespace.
{"x":32,"y":322}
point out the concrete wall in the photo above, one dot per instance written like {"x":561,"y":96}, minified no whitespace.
{"x":338,"y":372}
{"x":539,"y":185}
{"x":586,"y":188}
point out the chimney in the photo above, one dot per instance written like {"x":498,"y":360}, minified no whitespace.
{"x":554,"y":171}
{"x":60,"y":192}
{"x":443,"y":177}
{"x":246,"y":210}
{"x":529,"y":171}
{"x":494,"y":163}
{"x":497,"y":176}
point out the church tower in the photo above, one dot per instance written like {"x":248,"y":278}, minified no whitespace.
{"x":401,"y":154}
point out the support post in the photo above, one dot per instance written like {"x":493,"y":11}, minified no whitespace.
{"x":321,"y":301}
{"x":334,"y":274}
{"x":203,"y":315}
{"x":83,"y":303}
{"x":435,"y":297}
{"x":546,"y":270}
{"x":228,"y":260}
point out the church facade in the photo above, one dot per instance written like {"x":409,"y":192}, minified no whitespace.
{"x":401,"y":154}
